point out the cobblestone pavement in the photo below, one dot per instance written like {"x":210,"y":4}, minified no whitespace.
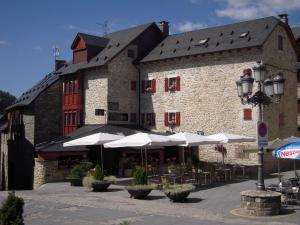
{"x":58,"y":203}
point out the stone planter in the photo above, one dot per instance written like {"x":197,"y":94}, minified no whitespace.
{"x":75,"y":182}
{"x":177,"y":196}
{"x":100,"y":186}
{"x":260,"y":203}
{"x":138,"y":193}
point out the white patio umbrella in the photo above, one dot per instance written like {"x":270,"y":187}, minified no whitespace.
{"x":94,"y":139}
{"x":230,"y":138}
{"x":144,"y":140}
{"x":193,"y":140}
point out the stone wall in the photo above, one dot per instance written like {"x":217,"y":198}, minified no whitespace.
{"x":111,"y":84}
{"x":46,"y":171}
{"x":48,"y":113}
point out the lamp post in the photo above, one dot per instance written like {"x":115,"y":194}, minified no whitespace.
{"x":270,"y":89}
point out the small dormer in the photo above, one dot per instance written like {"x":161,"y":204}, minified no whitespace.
{"x":87,"y":46}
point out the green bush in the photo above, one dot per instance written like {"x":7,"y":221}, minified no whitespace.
{"x":139,"y":176}
{"x":87,"y":166}
{"x":77,"y":172}
{"x":99,"y":175}
{"x":177,"y":188}
{"x":11,"y":212}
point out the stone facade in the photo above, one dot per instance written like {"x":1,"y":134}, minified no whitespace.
{"x":207,"y":100}
{"x":111,"y":84}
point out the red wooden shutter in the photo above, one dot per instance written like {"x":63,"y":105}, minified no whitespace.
{"x":177,"y":83}
{"x":166,"y":119}
{"x":247,"y":114}
{"x":153,"y":120}
{"x":166,"y":84}
{"x":132,"y":117}
{"x":153,"y":86}
{"x":143,"y":118}
{"x":143,"y":86}
{"x":177,"y":118}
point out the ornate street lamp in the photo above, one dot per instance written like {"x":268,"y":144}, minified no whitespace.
{"x":269,"y":90}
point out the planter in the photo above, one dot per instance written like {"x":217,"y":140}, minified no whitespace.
{"x":100,"y":186}
{"x":75,"y":182}
{"x":128,"y":172}
{"x":139,"y":192}
{"x":177,"y":196}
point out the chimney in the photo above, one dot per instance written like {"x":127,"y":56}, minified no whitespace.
{"x":59,"y":64}
{"x":164,"y":27}
{"x":284,"y":18}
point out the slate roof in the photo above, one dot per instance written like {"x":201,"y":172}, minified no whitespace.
{"x":214,"y":39}
{"x":57,"y":145}
{"x":296,"y":32}
{"x":30,"y":95}
{"x":92,"y":40}
{"x":117,"y":42}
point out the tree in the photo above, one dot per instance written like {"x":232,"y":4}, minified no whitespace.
{"x":6,"y":99}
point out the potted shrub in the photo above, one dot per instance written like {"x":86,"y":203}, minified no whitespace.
{"x":99,"y":183}
{"x":139,"y":188}
{"x":11,"y":211}
{"x":178,"y":192}
{"x":75,"y":176}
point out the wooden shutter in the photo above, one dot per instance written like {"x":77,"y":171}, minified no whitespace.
{"x":177,"y":83}
{"x":153,"y":119}
{"x":143,"y":86}
{"x":177,"y":118}
{"x":247,"y":114}
{"x":166,"y":84}
{"x":153,"y":86}
{"x":143,"y":118}
{"x":166,"y":119}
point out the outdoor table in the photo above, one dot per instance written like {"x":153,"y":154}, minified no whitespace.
{"x":235,"y":167}
{"x":205,"y":174}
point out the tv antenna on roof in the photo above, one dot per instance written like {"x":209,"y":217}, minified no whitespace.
{"x":56,"y":52}
{"x":104,"y":27}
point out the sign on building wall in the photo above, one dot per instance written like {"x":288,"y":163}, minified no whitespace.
{"x":262,"y":134}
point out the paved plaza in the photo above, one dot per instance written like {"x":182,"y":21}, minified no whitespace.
{"x":59,"y":203}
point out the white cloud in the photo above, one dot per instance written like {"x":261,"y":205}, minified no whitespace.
{"x":250,"y":9}
{"x":3,"y":42}
{"x":188,"y":26}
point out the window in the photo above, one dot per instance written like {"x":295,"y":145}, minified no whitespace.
{"x":130,"y":53}
{"x":114,"y":106}
{"x":122,"y":117}
{"x":172,"y":84}
{"x":148,"y":119}
{"x":99,"y":112}
{"x":172,"y":118}
{"x":133,"y":85}
{"x":280,"y":42}
{"x":247,"y":114}
{"x":69,"y":119}
{"x":149,"y":86}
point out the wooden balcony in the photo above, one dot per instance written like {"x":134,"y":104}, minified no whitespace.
{"x":72,"y":101}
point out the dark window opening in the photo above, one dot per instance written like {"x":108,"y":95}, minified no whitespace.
{"x":99,"y":112}
{"x":123,"y":117}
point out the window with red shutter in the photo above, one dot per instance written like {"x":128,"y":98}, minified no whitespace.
{"x":166,"y":84}
{"x":133,"y":85}
{"x":247,"y":114}
{"x":177,"y":83}
{"x":280,"y":42}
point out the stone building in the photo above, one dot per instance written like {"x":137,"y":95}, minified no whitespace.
{"x":142,"y":77}
{"x":33,"y":118}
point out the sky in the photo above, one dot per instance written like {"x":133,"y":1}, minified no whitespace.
{"x":29,"y":30}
